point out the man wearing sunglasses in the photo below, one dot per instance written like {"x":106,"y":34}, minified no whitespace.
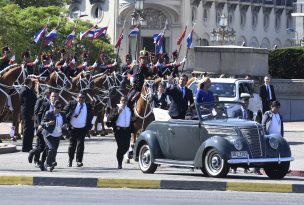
{"x":53,"y":123}
{"x":79,"y":116}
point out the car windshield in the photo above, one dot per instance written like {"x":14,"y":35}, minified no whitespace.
{"x":216,"y":110}
{"x":219,"y":89}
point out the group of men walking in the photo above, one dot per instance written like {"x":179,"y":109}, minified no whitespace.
{"x":51,"y":122}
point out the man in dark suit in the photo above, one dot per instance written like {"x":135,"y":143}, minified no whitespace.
{"x":181,"y":97}
{"x":79,"y":116}
{"x":53,"y":123}
{"x":267,"y":94}
{"x":244,"y":112}
{"x":46,"y":105}
{"x":40,"y":141}
{"x":27,"y":101}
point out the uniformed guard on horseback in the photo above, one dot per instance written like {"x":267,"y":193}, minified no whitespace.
{"x":46,"y":66}
{"x":28,"y":64}
{"x":5,"y":59}
{"x":143,"y":72}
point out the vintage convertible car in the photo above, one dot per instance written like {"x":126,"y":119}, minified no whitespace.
{"x":213,"y":142}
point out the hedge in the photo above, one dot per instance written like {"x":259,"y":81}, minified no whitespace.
{"x":287,"y":63}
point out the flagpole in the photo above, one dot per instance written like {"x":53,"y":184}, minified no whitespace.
{"x":186,"y":57}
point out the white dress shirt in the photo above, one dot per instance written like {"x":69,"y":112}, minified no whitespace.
{"x":124,"y":118}
{"x":275,"y":124}
{"x":80,"y":120}
{"x":57,"y":132}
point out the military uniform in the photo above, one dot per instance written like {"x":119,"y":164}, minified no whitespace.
{"x":4,"y":60}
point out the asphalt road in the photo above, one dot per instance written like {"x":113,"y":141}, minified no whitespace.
{"x":27,"y":195}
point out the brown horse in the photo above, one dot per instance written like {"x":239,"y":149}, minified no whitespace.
{"x":13,"y":74}
{"x":143,"y":108}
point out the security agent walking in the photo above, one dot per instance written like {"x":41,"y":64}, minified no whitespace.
{"x":79,"y":116}
{"x":272,"y":121}
{"x":40,"y":144}
{"x":53,"y":123}
{"x":267,"y":94}
{"x":47,"y":105}
{"x":27,"y":101}
{"x":121,"y":116}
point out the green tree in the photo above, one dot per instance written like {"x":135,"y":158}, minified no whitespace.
{"x":19,"y":26}
{"x":40,"y":3}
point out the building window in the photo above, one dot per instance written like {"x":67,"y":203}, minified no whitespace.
{"x":254,"y":20}
{"x":75,"y":11}
{"x":277,"y":22}
{"x":230,"y":18}
{"x":243,"y":19}
{"x":205,"y":15}
{"x":289,"y":22}
{"x":218,"y":17}
{"x":97,"y":12}
{"x":266,"y":22}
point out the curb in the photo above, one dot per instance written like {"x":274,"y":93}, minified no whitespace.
{"x":5,"y":148}
{"x":152,"y":184}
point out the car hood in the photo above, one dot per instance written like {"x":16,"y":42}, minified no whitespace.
{"x":232,"y":122}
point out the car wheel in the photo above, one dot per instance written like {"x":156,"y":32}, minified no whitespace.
{"x":277,"y":171}
{"x":145,"y":160}
{"x":215,"y":165}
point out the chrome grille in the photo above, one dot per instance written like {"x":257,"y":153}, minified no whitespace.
{"x":254,"y":138}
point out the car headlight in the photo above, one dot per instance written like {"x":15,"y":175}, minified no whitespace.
{"x":274,"y":143}
{"x":238,"y":144}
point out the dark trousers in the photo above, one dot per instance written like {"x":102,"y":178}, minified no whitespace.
{"x":40,"y":147}
{"x":28,"y":133}
{"x":52,"y":147}
{"x":122,"y":137}
{"x":77,"y":144}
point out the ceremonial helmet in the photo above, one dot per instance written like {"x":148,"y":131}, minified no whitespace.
{"x":128,"y":57}
{"x":143,"y":54}
{"x":175,"y":53}
{"x":5,"y":49}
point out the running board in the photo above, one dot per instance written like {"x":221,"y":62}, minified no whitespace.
{"x":176,"y":163}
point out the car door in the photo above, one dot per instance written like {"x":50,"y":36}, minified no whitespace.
{"x":184,"y":139}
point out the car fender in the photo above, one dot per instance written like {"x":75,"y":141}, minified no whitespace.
{"x":284,"y":148}
{"x":150,"y":138}
{"x":220,"y":143}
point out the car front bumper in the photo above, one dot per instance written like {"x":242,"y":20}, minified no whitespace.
{"x":260,"y":160}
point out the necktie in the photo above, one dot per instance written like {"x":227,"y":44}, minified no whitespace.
{"x":81,"y":105}
{"x":268,"y":93}
{"x":245,"y":116}
{"x":183,"y":91}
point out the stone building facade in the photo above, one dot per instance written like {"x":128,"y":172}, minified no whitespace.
{"x":257,"y":23}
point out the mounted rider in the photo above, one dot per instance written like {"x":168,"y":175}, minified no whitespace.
{"x":46,"y":66}
{"x":5,"y":59}
{"x":143,"y":72}
{"x":27,"y":63}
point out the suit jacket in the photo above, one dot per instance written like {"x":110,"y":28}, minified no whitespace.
{"x":264,"y":95}
{"x":37,"y":108}
{"x":70,"y":108}
{"x":179,"y":104}
{"x":239,"y":114}
{"x":50,"y":116}
{"x":267,"y":118}
{"x":27,"y":101}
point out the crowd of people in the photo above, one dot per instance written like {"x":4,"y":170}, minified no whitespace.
{"x":50,"y":119}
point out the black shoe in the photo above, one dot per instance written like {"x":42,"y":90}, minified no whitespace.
{"x":42,"y":167}
{"x":70,"y":164}
{"x":79,"y":164}
{"x":119,"y":167}
{"x":31,"y":156}
{"x":53,"y":166}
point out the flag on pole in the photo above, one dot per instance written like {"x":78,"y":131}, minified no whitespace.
{"x":98,"y":32}
{"x":134,"y":32}
{"x":69,"y":39}
{"x":159,"y":41}
{"x":85,"y":33}
{"x":50,"y":37}
{"x":121,"y":35}
{"x":40,"y":34}
{"x":189,"y":39}
{"x":182,"y":36}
